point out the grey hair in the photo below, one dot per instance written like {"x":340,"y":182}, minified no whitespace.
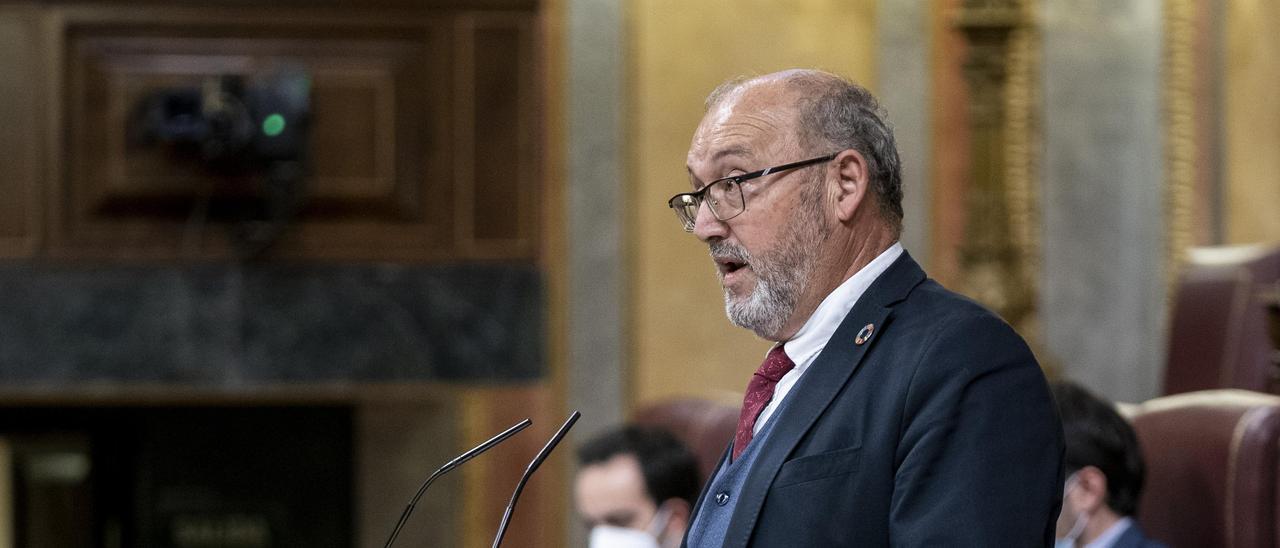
{"x":724,"y":90}
{"x":835,"y":113}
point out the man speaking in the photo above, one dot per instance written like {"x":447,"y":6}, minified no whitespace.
{"x":891,"y":411}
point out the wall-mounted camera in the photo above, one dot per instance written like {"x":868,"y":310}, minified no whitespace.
{"x":236,"y":125}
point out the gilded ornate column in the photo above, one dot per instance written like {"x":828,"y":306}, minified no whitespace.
{"x":1182,"y":150}
{"x":999,"y":255}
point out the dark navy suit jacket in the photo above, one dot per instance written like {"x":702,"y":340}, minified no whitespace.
{"x":1133,"y":537}
{"x":939,"y":431}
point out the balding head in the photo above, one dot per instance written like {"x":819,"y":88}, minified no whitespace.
{"x":804,"y":174}
{"x":832,"y":113}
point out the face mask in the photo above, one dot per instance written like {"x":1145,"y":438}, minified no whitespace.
{"x":1069,"y":541}
{"x":1077,"y":528}
{"x":609,"y":536}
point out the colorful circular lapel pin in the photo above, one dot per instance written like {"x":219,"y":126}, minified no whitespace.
{"x":864,"y":335}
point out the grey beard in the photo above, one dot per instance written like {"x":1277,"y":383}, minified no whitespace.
{"x":780,"y":279}
{"x":765,"y":311}
{"x":782,"y":273}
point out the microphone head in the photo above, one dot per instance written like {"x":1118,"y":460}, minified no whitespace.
{"x":554,"y":441}
{"x":485,"y":446}
{"x":449,"y":466}
{"x":533,"y":466}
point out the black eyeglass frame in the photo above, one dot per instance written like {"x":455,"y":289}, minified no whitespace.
{"x":698,"y":196}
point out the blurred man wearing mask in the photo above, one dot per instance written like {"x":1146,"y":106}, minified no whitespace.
{"x":635,"y":487}
{"x":1104,"y":474}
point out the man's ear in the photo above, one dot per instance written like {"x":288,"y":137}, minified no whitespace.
{"x":853,"y":180}
{"x":1091,"y":489}
{"x":680,"y":515}
{"x":680,"y":510}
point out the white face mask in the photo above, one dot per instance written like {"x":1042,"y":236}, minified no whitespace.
{"x":609,"y":536}
{"x":1082,"y":519}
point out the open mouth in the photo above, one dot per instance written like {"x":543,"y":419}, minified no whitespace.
{"x":729,"y":259}
{"x":729,"y":266}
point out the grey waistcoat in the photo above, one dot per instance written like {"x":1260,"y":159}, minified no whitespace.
{"x":712,"y":522}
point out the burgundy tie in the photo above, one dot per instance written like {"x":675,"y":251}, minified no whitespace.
{"x":759,"y":392}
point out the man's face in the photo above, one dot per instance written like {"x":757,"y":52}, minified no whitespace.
{"x":613,"y":493}
{"x":765,"y":256}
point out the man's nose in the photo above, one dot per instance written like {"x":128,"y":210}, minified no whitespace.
{"x":705,"y":224}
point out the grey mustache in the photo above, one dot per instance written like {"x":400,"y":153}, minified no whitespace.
{"x":721,"y":251}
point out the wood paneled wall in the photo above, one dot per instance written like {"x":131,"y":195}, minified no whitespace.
{"x":424,"y":137}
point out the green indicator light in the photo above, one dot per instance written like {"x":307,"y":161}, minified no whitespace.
{"x":273,"y":125}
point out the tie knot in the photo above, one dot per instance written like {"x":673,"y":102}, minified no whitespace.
{"x":776,"y":364}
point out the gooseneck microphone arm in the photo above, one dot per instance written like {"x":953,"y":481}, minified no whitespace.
{"x":448,"y":466}
{"x":533,"y":466}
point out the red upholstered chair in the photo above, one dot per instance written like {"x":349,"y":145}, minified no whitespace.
{"x":1213,"y":459}
{"x":1225,"y":326}
{"x":706,"y":427}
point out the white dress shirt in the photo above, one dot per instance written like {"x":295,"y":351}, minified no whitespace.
{"x":809,"y":341}
{"x":1111,"y":535}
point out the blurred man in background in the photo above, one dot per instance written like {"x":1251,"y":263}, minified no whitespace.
{"x":1104,"y":474}
{"x":635,"y":487}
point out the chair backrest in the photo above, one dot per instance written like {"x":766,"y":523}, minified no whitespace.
{"x":1212,"y":468}
{"x":705,"y":426}
{"x":1225,"y":326}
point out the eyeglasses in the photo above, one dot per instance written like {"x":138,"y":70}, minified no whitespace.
{"x":724,"y":196}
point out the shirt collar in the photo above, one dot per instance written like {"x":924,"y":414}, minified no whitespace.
{"x":1112,"y":534}
{"x":813,"y":335}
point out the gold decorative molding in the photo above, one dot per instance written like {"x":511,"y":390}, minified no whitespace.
{"x":1022,"y":125}
{"x":1180,"y":149}
{"x":1001,"y":247}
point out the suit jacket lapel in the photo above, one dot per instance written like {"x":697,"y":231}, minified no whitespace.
{"x":824,"y":379}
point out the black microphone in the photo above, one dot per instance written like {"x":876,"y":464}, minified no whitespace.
{"x":537,"y":461}
{"x":448,"y":466}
